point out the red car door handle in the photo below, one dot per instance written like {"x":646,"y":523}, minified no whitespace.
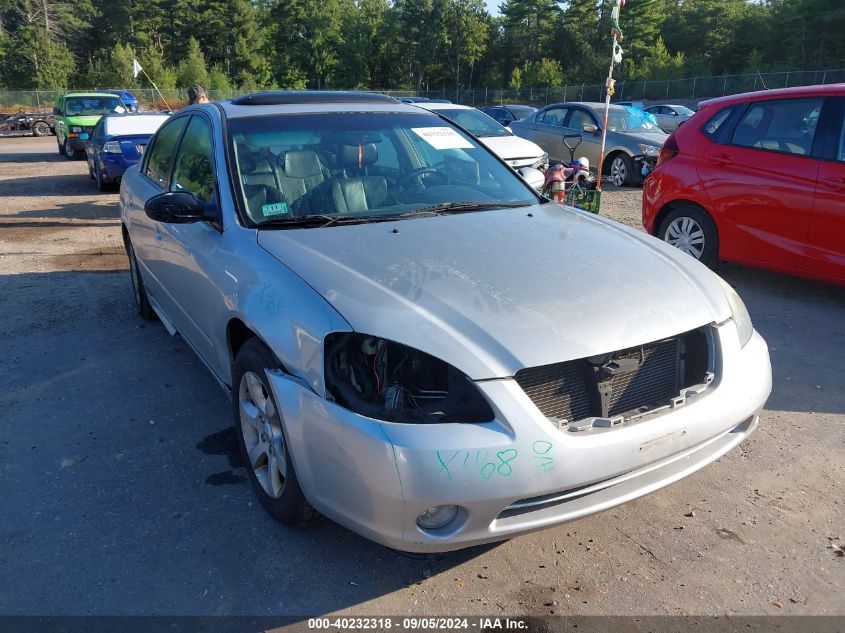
{"x":835,"y":183}
{"x":721,"y":159}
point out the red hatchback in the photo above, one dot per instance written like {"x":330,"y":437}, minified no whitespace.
{"x":758,"y":179}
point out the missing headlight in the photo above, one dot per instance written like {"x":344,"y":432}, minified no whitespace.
{"x":392,"y":382}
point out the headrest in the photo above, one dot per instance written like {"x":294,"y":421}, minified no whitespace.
{"x":302,"y":163}
{"x":357,"y":155}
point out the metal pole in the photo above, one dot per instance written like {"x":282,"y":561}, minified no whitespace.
{"x":725,"y":86}
{"x":609,"y":83}
{"x":694,"y":79}
{"x":786,"y":85}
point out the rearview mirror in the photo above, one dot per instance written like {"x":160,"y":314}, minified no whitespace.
{"x":179,"y":207}
{"x":534,"y":177}
{"x":590,"y":128}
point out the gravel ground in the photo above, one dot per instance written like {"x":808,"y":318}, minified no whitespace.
{"x":123,"y":494}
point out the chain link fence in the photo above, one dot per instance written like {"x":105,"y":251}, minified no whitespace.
{"x":688,"y":91}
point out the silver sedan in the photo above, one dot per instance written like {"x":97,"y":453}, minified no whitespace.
{"x":631,"y":136}
{"x":416,"y":344}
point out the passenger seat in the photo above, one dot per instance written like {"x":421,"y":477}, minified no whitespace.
{"x":356,"y":194}
{"x":303,"y":171}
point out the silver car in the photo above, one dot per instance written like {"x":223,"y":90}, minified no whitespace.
{"x":630,"y":137}
{"x":669,"y":117}
{"x":416,"y":344}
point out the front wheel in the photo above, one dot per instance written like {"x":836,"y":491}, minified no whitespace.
{"x":71,"y":153}
{"x":262,"y":441}
{"x":691,"y":230}
{"x":621,"y":170}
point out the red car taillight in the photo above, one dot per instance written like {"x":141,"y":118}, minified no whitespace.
{"x":669,"y":150}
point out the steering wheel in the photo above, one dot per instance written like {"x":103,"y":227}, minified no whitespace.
{"x":414,"y":175}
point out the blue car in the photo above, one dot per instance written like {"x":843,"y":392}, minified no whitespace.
{"x":118,"y":142}
{"x":127,"y":97}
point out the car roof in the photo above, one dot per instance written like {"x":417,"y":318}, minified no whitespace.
{"x":438,"y":105}
{"x":90,"y":94}
{"x":133,"y":124}
{"x":311,"y":102}
{"x":593,"y":105}
{"x":778,"y":93}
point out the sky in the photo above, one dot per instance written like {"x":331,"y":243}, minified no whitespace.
{"x":493,"y":6}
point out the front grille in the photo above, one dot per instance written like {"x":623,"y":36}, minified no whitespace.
{"x":623,"y":382}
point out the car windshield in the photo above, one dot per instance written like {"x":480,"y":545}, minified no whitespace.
{"x":473,"y":121}
{"x":75,"y":106}
{"x":683,"y":110}
{"x":630,"y":119}
{"x":332,"y":168}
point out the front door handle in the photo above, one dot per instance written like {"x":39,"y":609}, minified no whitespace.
{"x":834,"y":183}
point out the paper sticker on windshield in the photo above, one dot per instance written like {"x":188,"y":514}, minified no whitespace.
{"x":277,"y":208}
{"x":442,"y":137}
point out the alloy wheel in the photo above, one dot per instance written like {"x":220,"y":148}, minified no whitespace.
{"x":687,"y":235}
{"x":618,"y":171}
{"x":262,"y":434}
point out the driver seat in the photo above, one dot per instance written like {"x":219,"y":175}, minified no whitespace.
{"x":357,"y":194}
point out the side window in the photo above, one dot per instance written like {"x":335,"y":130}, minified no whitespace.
{"x":159,"y":156}
{"x":193,"y":170}
{"x":553,"y":116}
{"x":578,"y":119}
{"x":786,"y":126}
{"x":713,"y":127}
{"x":504,"y":117}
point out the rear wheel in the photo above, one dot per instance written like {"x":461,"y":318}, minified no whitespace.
{"x":102,"y":185}
{"x":262,"y":440}
{"x":140,"y":292}
{"x":40,"y":129}
{"x":690,"y":229}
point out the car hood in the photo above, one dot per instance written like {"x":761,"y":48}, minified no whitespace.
{"x":510,"y":147}
{"x":648,"y":138}
{"x":495,"y":291}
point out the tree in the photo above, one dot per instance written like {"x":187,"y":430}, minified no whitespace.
{"x":464,"y":36}
{"x":192,"y":70}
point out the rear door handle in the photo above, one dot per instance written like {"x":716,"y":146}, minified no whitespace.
{"x":721,"y":159}
{"x":834,"y":183}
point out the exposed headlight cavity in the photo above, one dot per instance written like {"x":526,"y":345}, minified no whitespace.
{"x":541,"y":162}
{"x":395,"y":383}
{"x":739,"y":313}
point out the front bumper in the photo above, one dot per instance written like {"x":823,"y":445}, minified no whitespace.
{"x":516,"y":474}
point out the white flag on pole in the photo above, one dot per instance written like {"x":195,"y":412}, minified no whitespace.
{"x":136,"y":68}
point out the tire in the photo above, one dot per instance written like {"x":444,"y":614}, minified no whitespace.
{"x":61,"y":147}
{"x":260,"y":431}
{"x":620,"y":171}
{"x":692,"y":230}
{"x":40,"y":129}
{"x":72,"y":154}
{"x":142,"y":304}
{"x":102,"y":185}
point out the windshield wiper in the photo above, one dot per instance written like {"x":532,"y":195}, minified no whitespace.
{"x":320,"y":221}
{"x":463,"y":207}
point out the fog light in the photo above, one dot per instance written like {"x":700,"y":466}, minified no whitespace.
{"x":437,"y":517}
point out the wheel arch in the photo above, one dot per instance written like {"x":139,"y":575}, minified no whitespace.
{"x":238,"y":333}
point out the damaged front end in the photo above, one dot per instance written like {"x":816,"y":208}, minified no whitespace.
{"x":388,"y":381}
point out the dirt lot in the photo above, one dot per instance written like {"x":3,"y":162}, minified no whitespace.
{"x":122,"y":492}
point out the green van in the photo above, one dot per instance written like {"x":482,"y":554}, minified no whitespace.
{"x":76,"y":115}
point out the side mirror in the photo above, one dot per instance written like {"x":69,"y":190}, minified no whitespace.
{"x":178,"y":207}
{"x":56,"y":111}
{"x":590,"y":128}
{"x":534,"y":177}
